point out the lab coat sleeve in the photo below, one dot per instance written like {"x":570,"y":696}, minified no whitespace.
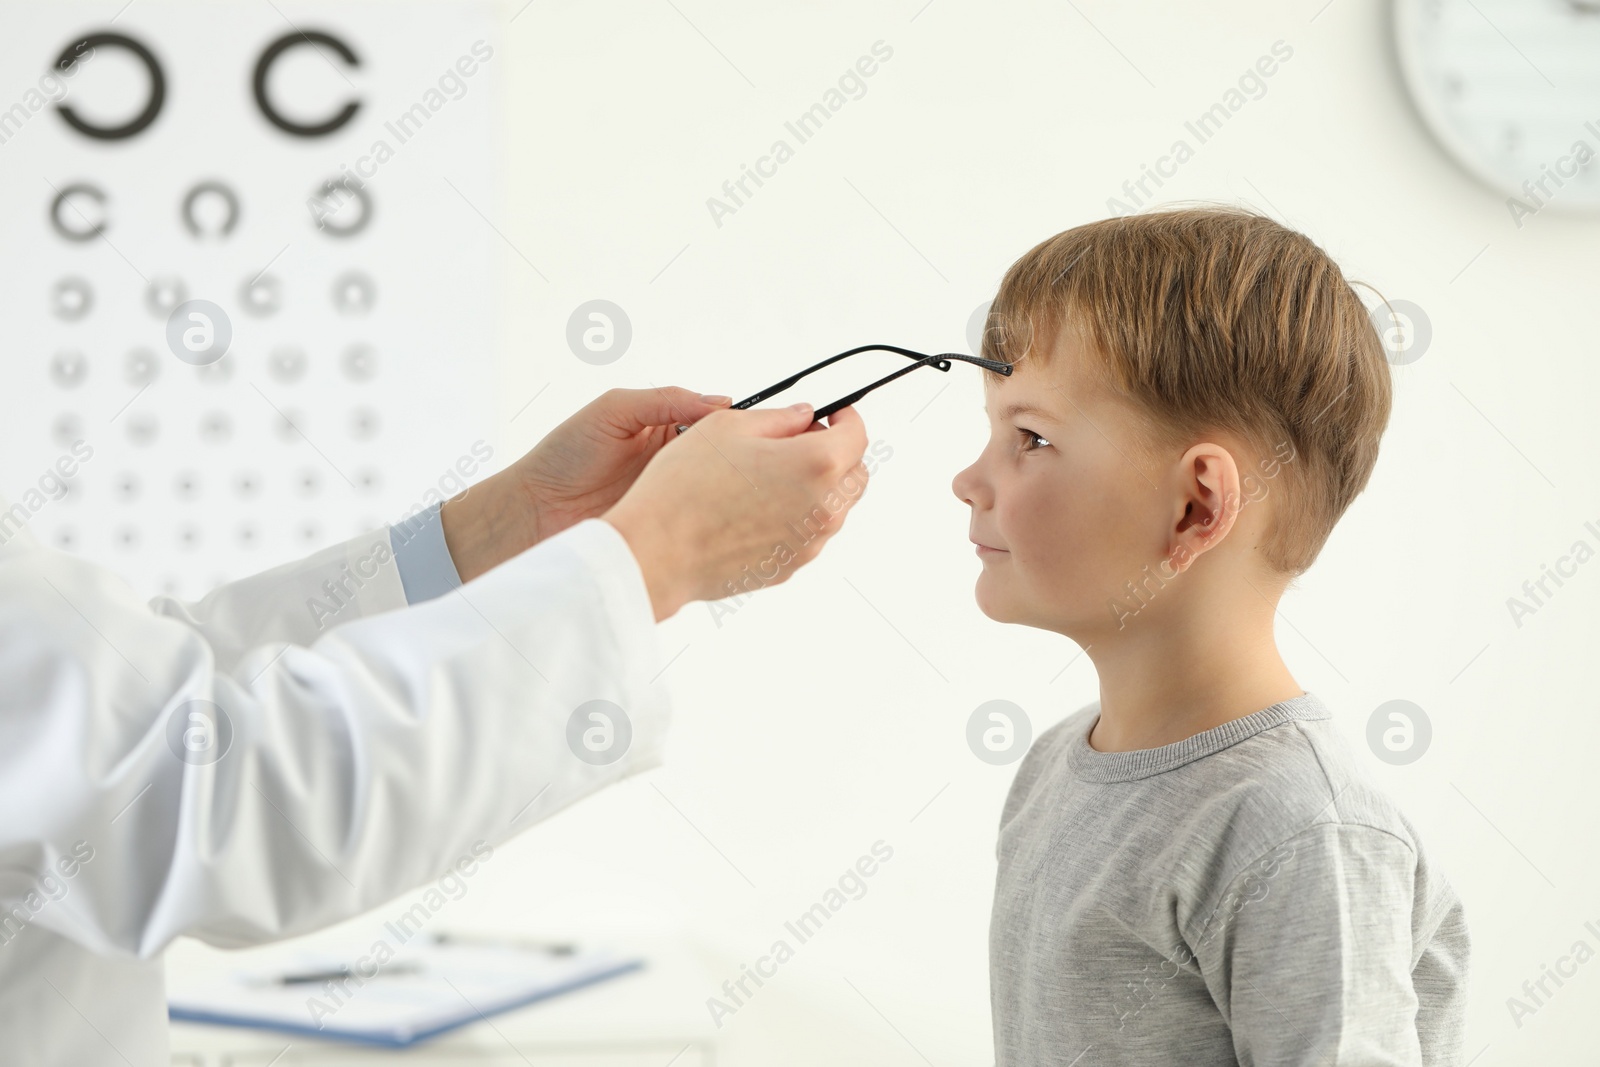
{"x":296,"y":602}
{"x":407,"y":563}
{"x":332,"y":765}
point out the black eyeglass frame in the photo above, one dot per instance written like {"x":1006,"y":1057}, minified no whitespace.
{"x":942,"y":361}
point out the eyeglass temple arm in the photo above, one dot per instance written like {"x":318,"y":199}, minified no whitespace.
{"x":942,"y":361}
{"x":773,"y":390}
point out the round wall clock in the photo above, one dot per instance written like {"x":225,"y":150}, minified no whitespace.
{"x":1511,"y":88}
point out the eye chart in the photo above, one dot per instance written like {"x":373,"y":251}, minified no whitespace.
{"x":249,"y":263}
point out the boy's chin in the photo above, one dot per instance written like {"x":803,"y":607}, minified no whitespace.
{"x":994,"y":603}
{"x":1001,"y":607}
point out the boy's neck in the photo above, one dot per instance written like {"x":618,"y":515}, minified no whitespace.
{"x":1170,"y":686}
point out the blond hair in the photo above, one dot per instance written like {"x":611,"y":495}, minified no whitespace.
{"x":1217,"y":318}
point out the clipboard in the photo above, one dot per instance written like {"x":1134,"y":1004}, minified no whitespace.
{"x":399,"y":998}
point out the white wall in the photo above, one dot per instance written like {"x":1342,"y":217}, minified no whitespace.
{"x":810,"y":722}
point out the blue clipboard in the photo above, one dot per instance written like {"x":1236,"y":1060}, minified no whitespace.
{"x":394,"y":999}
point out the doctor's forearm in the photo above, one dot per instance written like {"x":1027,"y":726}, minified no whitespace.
{"x":488,"y":524}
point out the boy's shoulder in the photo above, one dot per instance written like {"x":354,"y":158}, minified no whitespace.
{"x":1248,"y":794}
{"x":1291,"y":779}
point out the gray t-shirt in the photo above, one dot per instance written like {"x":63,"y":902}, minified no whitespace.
{"x":1244,"y":896}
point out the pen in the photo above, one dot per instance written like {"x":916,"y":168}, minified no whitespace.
{"x":311,"y":977}
{"x":555,"y":949}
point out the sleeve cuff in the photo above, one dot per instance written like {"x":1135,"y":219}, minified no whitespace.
{"x":422,"y":557}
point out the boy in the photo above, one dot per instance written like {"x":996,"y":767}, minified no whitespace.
{"x":1193,"y":869}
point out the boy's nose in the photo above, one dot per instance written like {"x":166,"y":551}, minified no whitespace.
{"x":967,"y":485}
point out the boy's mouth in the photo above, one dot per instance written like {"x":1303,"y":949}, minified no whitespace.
{"x":986,"y":550}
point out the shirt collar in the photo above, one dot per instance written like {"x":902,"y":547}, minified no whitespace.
{"x":1092,"y":765}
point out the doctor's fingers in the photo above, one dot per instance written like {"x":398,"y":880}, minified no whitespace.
{"x":632,"y":410}
{"x":730,"y":424}
{"x":823,"y":508}
{"x":820,"y":457}
{"x":845,"y":438}
{"x":827,"y":517}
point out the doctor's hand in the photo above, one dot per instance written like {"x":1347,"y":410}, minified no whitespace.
{"x":578,"y":471}
{"x":740,"y":502}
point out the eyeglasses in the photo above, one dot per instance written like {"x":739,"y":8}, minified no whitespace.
{"x":942,"y":362}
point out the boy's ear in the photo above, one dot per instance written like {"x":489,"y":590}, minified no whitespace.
{"x":1208,"y":504}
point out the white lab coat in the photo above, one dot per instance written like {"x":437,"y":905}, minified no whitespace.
{"x":367,"y":756}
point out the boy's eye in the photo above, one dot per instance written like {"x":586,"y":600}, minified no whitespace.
{"x":1031,"y":440}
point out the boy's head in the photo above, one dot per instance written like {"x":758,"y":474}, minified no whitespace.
{"x":1186,"y":382}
